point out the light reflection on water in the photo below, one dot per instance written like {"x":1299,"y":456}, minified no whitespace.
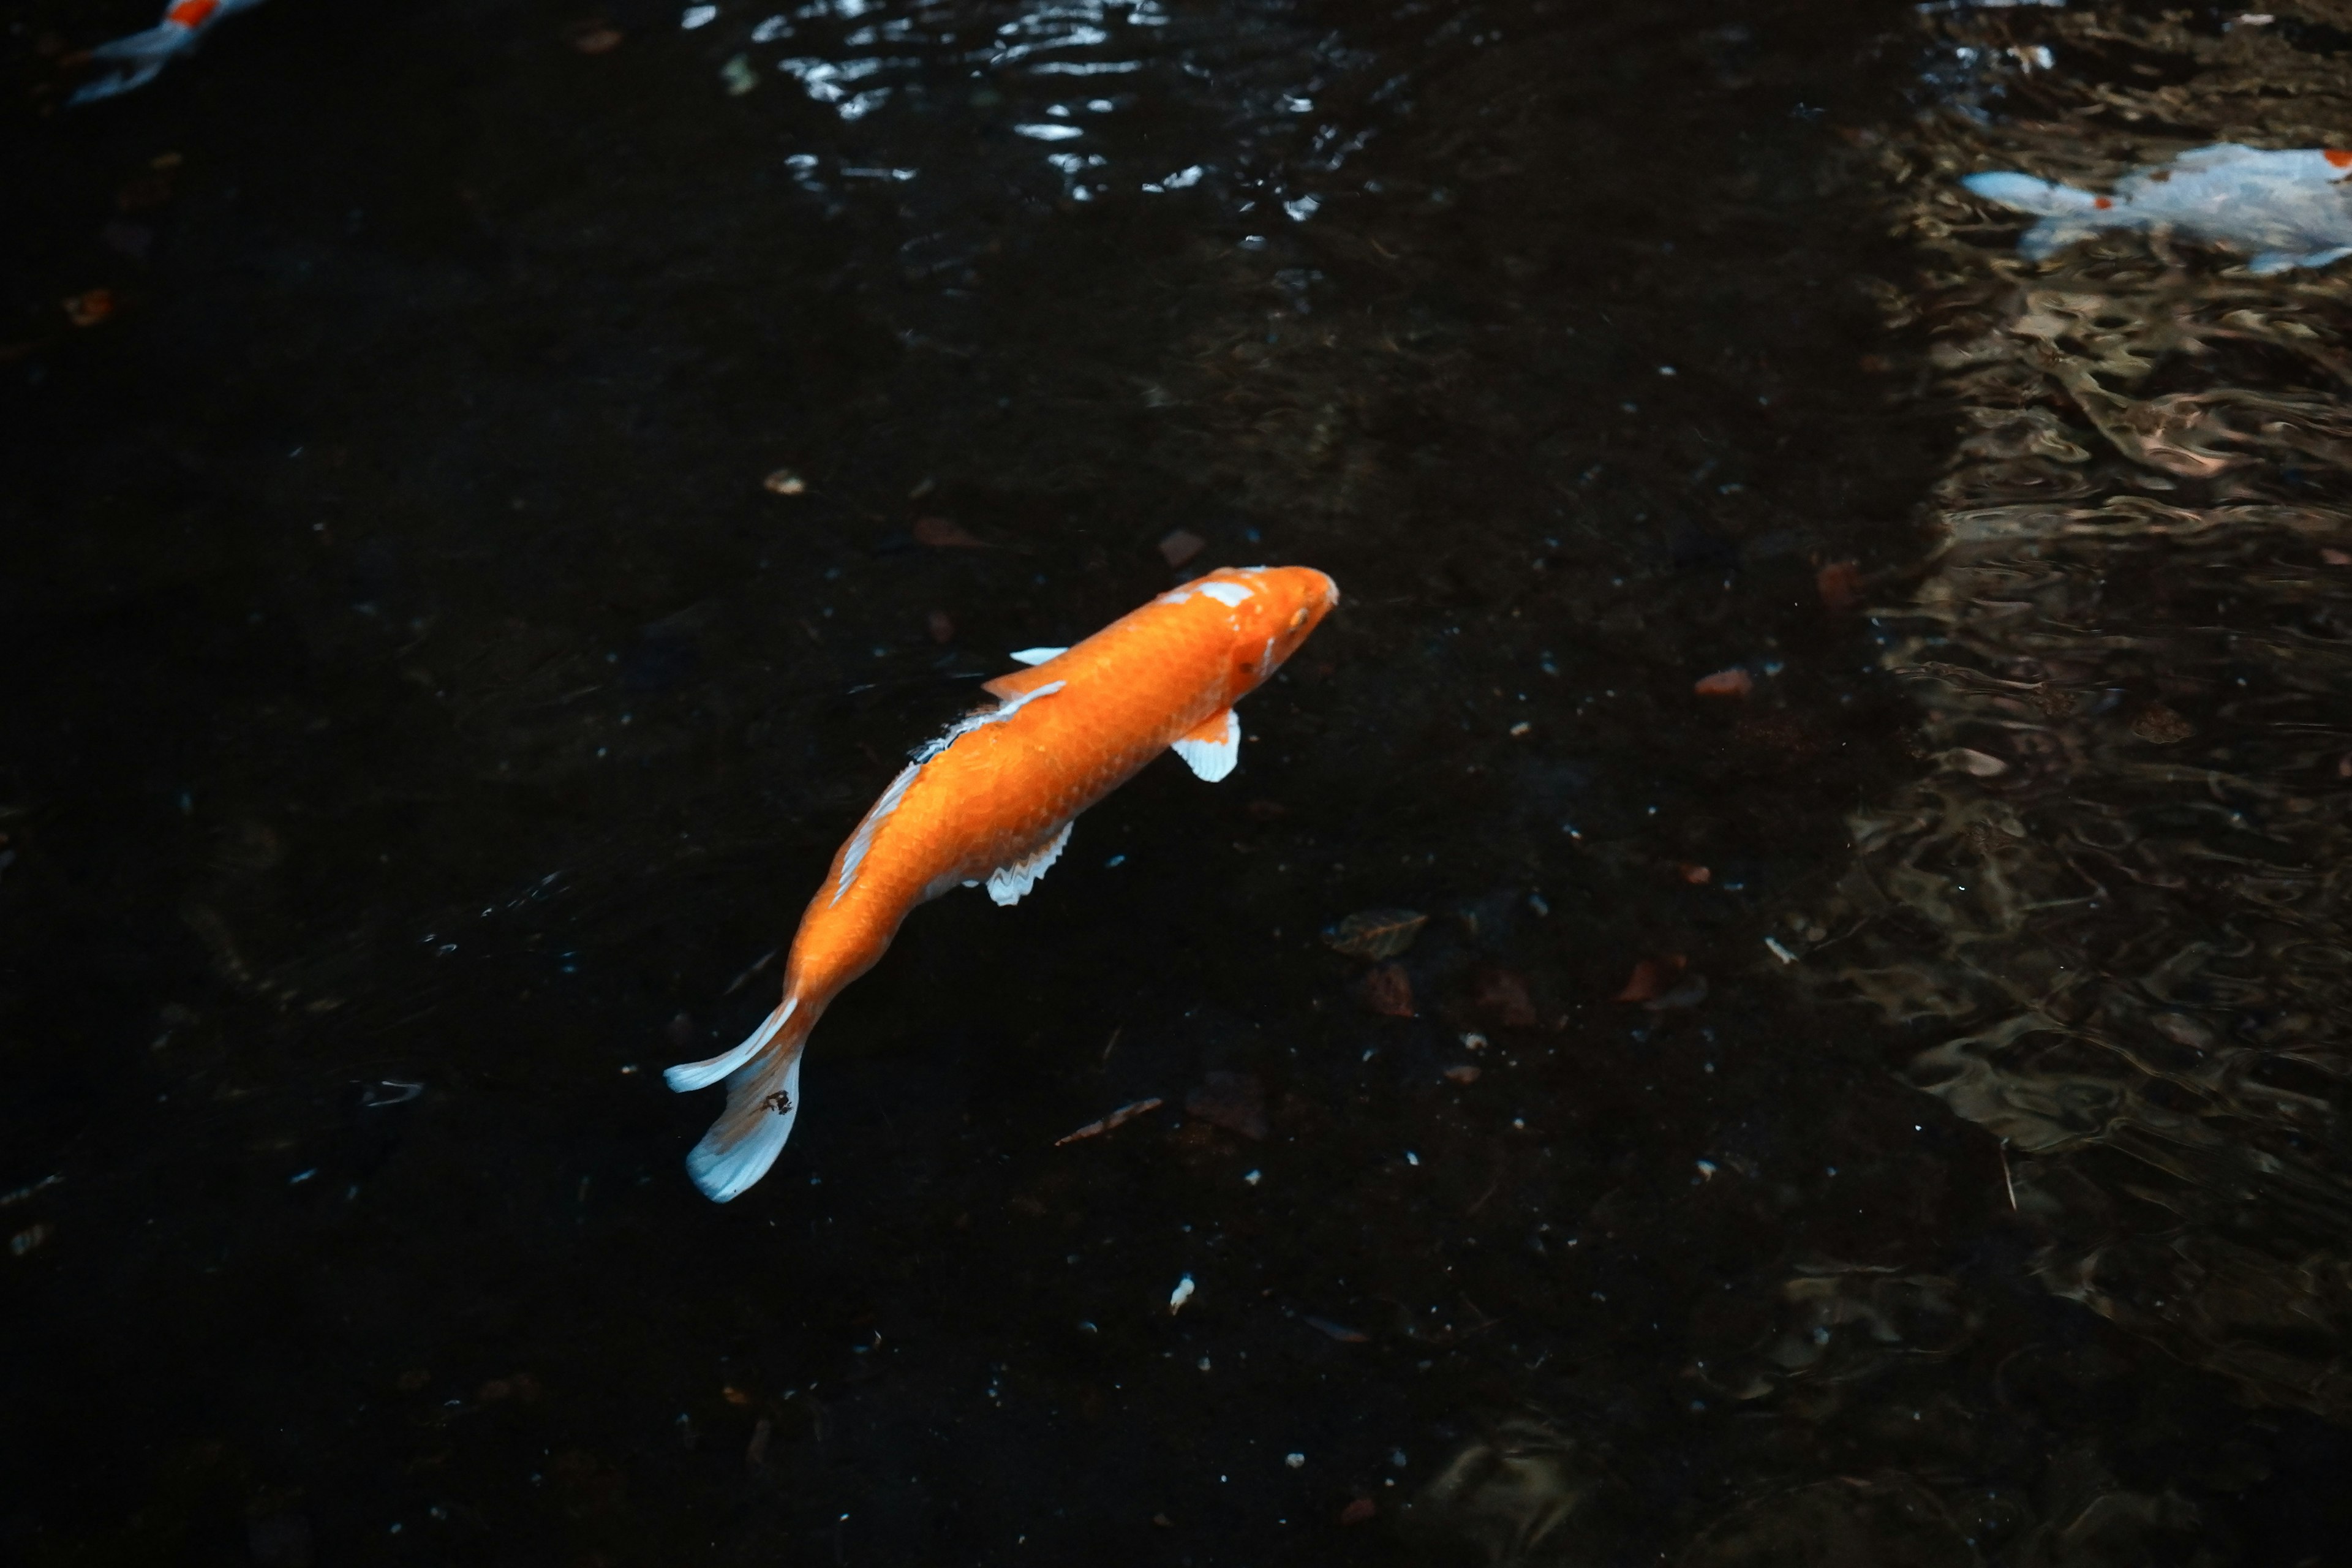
{"x":1162,"y":100}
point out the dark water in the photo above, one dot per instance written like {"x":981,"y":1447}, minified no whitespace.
{"x":422,"y":723}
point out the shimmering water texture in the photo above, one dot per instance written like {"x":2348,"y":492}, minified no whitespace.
{"x":2117,"y":906}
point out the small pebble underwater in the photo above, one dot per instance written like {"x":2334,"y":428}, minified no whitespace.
{"x":1769,"y":987}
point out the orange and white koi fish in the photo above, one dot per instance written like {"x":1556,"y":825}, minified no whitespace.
{"x":142,"y":54}
{"x":992,"y":801}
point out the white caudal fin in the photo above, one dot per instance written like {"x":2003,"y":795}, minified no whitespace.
{"x":2023,"y":193}
{"x":764,"y":1087}
{"x":763,"y":1100}
{"x":1211,"y":747}
{"x":688,"y":1076}
{"x":1037,"y":655}
{"x":1007,"y":883}
{"x":142,"y":56}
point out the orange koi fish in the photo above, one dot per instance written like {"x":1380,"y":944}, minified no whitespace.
{"x":991,"y":800}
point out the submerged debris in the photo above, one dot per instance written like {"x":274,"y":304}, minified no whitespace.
{"x":944,"y":533}
{"x":1233,"y":1100}
{"x":1119,"y":1118}
{"x":1375,"y":933}
{"x":1651,"y":978}
{"x":1388,"y":991}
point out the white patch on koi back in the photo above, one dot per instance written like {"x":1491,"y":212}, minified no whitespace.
{"x":1229,"y":595}
{"x":1007,"y":883}
{"x":863,"y":840}
{"x":980,"y":720}
{"x":1037,"y":655}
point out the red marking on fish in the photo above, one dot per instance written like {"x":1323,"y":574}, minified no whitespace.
{"x":191,"y":14}
{"x":2102,"y":203}
{"x":2337,"y":157}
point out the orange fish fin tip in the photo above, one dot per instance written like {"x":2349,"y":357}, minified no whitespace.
{"x":1006,"y":884}
{"x":762,"y":1102}
{"x":1211,"y":747}
{"x":688,"y":1075}
{"x":1037,"y":655}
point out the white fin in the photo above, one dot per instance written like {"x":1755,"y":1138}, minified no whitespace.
{"x":142,"y":54}
{"x":1007,"y":883}
{"x":732,"y":1156}
{"x":1211,"y":749}
{"x":1037,"y":655}
{"x":689,"y":1076}
{"x":2023,"y":193}
{"x":1228,"y":594}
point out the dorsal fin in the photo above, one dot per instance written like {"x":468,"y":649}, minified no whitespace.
{"x":1020,"y":681}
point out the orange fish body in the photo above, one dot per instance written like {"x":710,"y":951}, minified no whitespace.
{"x":992,"y":802}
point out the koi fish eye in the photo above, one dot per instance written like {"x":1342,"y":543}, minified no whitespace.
{"x":1298,"y":618}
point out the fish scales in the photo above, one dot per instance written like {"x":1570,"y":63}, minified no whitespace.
{"x":993,"y":801}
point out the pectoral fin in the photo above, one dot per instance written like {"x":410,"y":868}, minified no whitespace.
{"x":1007,"y":883}
{"x":1211,"y":747}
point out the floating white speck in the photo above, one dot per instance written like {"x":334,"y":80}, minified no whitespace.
{"x":1181,"y":1294}
{"x":1253,"y":1177}
{"x":1302,"y":208}
{"x":1048,"y":132}
{"x":1782,"y":953}
{"x":1295,"y":1461}
{"x":1411,"y":1158}
{"x":699,"y":16}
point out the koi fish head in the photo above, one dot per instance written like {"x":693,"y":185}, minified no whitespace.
{"x":1273,"y":610}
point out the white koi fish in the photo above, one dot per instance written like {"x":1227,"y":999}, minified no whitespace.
{"x":2289,"y":208}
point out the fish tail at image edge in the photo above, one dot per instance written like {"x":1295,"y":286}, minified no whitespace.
{"x":763,"y":1080}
